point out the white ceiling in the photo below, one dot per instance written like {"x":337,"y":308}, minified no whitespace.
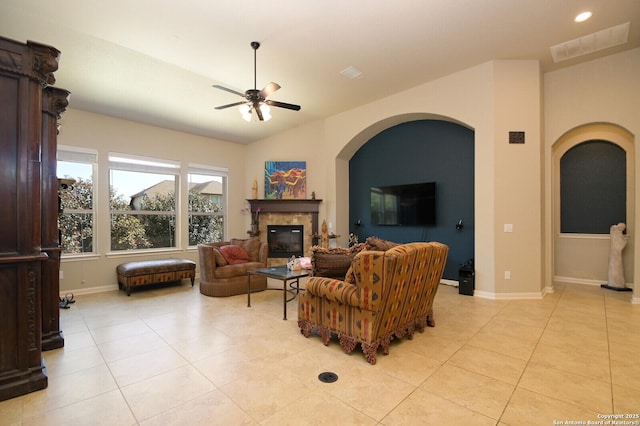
{"x":154,"y":61}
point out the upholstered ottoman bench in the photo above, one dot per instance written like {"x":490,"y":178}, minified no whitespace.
{"x":134,"y":274}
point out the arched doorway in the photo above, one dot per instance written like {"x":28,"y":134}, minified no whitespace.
{"x":420,"y":152}
{"x":445,"y":231}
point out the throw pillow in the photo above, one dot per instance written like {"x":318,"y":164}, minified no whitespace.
{"x":220,"y":260}
{"x":331,"y":265}
{"x":251,"y":245}
{"x":333,"y":262}
{"x":378,"y":244}
{"x":234,"y":254}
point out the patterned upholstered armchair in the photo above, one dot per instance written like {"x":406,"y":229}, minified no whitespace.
{"x":385,"y":294}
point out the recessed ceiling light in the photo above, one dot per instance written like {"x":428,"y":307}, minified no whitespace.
{"x":583,"y":16}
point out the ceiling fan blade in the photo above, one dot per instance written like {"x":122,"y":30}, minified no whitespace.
{"x":283,"y":105}
{"x":255,"y":98}
{"x":226,"y":89}
{"x":258,"y":112}
{"x":269,"y":89}
{"x":231,"y":105}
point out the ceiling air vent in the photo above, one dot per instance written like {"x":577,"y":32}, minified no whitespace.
{"x":591,"y":43}
{"x":351,"y":72}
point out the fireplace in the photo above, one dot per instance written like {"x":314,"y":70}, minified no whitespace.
{"x":285,"y":240}
{"x":292,"y":212}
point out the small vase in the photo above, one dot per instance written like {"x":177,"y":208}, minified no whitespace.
{"x":254,"y":227}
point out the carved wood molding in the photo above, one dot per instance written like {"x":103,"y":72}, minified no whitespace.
{"x":34,"y":60}
{"x":45,"y":62}
{"x":55,"y":101}
{"x":32,"y":308}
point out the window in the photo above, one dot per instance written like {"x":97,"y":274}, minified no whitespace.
{"x":593,"y":177}
{"x":76,"y":218}
{"x":142,"y":200}
{"x":206,"y":204}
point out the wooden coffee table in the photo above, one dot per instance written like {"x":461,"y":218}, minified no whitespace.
{"x":283,"y":274}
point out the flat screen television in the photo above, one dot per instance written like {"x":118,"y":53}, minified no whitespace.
{"x":404,"y":205}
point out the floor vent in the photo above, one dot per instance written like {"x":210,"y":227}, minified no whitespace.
{"x":327,"y":377}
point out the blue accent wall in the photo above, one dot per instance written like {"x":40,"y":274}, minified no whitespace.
{"x":413,"y":152}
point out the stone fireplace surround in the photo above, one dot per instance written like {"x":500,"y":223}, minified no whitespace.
{"x":288,"y":212}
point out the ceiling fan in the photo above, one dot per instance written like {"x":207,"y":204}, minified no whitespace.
{"x":256,"y":100}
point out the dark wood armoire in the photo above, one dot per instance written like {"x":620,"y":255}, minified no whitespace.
{"x":29,"y":242}
{"x":54,"y":102}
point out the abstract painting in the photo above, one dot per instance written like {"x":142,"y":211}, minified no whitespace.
{"x":285,"y":180}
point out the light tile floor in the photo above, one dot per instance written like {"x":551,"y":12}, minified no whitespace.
{"x":171,"y":356}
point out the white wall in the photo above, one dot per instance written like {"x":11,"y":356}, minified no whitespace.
{"x":492,"y":99}
{"x":513,"y":183}
{"x":107,"y":134}
{"x":605,"y":90}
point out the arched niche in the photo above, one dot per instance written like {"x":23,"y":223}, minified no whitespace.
{"x":583,"y":258}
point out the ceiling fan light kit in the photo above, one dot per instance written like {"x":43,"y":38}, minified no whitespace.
{"x":246,"y":109}
{"x":256,"y":100}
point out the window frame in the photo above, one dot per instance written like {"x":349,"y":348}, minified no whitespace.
{"x":149,"y":165}
{"x":206,"y":170}
{"x":72,"y":154}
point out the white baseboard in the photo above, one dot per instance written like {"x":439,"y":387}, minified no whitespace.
{"x":508,"y":296}
{"x":584,"y":281}
{"x":634,"y":299}
{"x":90,"y":290}
{"x":452,"y":283}
{"x":503,"y":296}
{"x":101,"y":289}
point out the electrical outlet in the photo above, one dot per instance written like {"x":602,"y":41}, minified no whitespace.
{"x":61,"y":275}
{"x":508,"y":227}
{"x":507,"y":275}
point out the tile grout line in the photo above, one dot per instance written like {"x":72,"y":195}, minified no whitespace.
{"x":515,"y":387}
{"x":606,"y":324}
{"x":458,"y":350}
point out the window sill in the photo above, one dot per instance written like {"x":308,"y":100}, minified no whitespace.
{"x":571,"y":236}
{"x":130,"y":253}
{"x":78,"y":257}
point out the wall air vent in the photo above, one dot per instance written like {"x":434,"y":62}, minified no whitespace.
{"x":591,"y":43}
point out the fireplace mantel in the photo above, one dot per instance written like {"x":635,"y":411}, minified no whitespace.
{"x":285,"y":206}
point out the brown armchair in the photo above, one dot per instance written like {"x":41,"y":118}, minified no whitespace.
{"x":218,"y":278}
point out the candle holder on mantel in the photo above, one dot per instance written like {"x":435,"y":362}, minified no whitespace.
{"x":254,"y":231}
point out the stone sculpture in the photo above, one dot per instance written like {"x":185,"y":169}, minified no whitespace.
{"x":616,"y":269}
